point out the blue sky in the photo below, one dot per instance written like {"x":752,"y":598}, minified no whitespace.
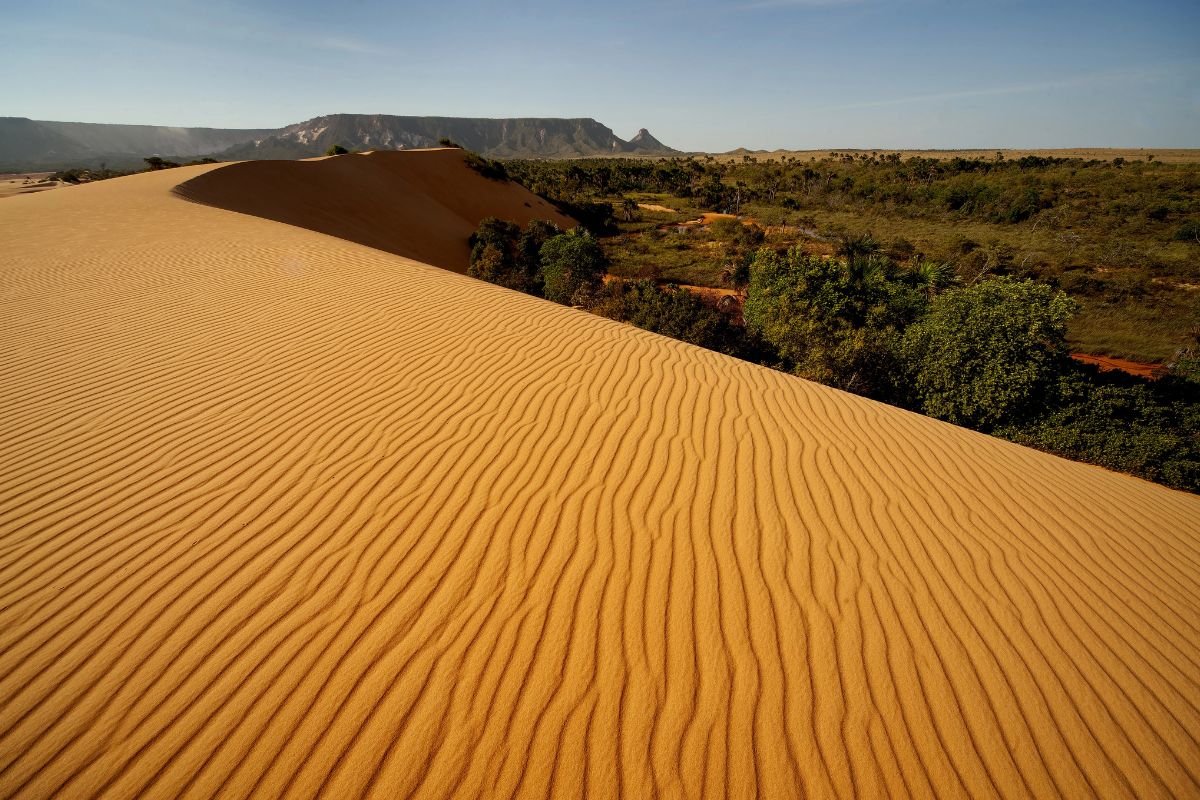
{"x":700,"y":74}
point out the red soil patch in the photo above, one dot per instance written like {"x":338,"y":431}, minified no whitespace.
{"x":1108,"y":363}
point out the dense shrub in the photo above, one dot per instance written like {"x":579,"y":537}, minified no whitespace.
{"x":503,"y":254}
{"x":572,"y":267}
{"x":154,"y":163}
{"x":1188,"y":231}
{"x":671,"y":311}
{"x":1148,"y":428}
{"x":984,"y":353}
{"x":740,"y":237}
{"x":489,"y":168}
{"x":835,"y":323}
{"x":597,"y":217}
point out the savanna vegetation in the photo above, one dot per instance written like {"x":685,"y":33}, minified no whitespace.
{"x":1121,"y":238}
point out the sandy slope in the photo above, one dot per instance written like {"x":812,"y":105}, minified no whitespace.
{"x":422,"y":208}
{"x":282,"y":514}
{"x":26,"y":184}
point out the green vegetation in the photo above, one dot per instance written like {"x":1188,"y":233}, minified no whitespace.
{"x":839,"y":323}
{"x":540,"y":260}
{"x":153,"y":163}
{"x":1188,"y":231}
{"x":489,"y":168}
{"x":83,"y":175}
{"x":1147,"y":428}
{"x":503,"y":254}
{"x":572,"y":267}
{"x":672,"y":312}
{"x":1121,"y":238}
{"x":336,"y":150}
{"x":984,"y":354}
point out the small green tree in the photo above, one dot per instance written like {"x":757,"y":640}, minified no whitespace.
{"x":155,"y":163}
{"x":930,"y":277}
{"x":1185,"y":364}
{"x":837,"y":325}
{"x":336,"y":150}
{"x":494,"y":254}
{"x":1188,"y":231}
{"x":490,"y":263}
{"x":529,"y":252}
{"x":984,"y":353}
{"x":572,"y":266}
{"x":858,"y":251}
{"x":503,"y":254}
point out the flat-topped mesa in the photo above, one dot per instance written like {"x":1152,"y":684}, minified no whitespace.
{"x":513,"y":138}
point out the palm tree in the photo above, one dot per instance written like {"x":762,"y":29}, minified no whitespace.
{"x":856,"y":250}
{"x":931,"y":276}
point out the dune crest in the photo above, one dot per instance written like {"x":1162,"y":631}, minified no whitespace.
{"x":285,"y":515}
{"x":421,"y":204}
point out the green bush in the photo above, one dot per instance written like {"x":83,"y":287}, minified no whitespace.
{"x":488,"y":168}
{"x":154,"y":163}
{"x":1189,"y":231}
{"x":672,"y":312}
{"x":572,"y":267}
{"x":529,"y":252}
{"x":836,"y":323}
{"x":984,"y":353}
{"x":503,"y":254}
{"x":1146,"y":428}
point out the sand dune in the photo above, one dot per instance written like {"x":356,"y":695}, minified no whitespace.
{"x":11,"y":186}
{"x":283,"y":515}
{"x":422,"y":208}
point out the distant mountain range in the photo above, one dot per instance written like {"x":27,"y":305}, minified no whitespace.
{"x":27,"y":144}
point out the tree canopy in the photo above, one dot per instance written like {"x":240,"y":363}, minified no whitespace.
{"x":984,"y":353}
{"x":835,"y":323}
{"x":572,"y":265}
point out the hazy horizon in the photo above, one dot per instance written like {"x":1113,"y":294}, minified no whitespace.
{"x":700,"y":76}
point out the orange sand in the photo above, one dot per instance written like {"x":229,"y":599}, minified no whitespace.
{"x":285,"y":515}
{"x":423,"y":208}
{"x":29,"y":183}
